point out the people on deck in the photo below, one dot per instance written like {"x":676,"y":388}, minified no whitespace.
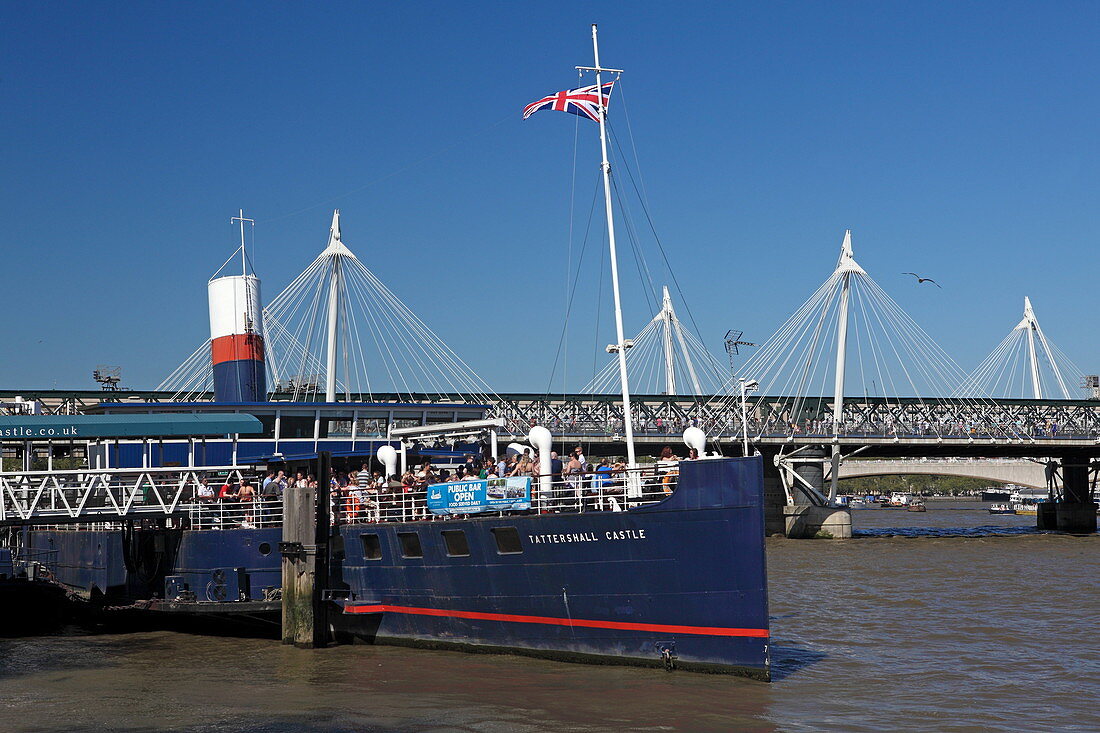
{"x":557,"y":466}
{"x":228,"y":491}
{"x":667,"y":470}
{"x":246,"y":493}
{"x":205,"y":492}
{"x":571,"y":481}
{"x":601,"y":482}
{"x":273,"y":486}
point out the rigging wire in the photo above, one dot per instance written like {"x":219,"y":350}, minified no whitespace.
{"x":895,"y":359}
{"x":569,"y":252}
{"x":644,"y":275}
{"x":1006,"y":370}
{"x":599,"y":312}
{"x":653,"y":229}
{"x":573,"y":290}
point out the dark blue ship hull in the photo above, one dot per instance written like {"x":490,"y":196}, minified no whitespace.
{"x":685,"y":577}
{"x":682,"y":581}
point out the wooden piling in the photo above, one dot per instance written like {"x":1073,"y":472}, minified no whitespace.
{"x":304,"y":548}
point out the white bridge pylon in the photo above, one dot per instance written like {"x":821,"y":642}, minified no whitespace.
{"x":848,"y":346}
{"x":664,"y":358}
{"x":1026,"y":365}
{"x":850,"y":340}
{"x":336,"y":331}
{"x":339,"y":326}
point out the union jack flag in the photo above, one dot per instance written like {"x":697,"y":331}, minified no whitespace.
{"x":584,"y":102}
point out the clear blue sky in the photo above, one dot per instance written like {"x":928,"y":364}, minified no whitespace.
{"x":957,"y":140}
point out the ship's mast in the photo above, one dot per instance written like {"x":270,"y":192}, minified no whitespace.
{"x":621,"y":346}
{"x":242,"y":220}
{"x":249,"y":316}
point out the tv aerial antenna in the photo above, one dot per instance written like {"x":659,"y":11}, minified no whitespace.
{"x":108,"y":377}
{"x":733,"y":344}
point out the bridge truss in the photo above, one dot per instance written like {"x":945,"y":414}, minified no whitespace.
{"x":600,"y":416}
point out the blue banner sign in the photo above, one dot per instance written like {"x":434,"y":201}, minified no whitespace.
{"x":45,"y":427}
{"x":484,"y":495}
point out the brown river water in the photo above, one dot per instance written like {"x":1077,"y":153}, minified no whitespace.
{"x":948,"y":620}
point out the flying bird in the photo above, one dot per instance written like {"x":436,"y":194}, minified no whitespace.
{"x":923,"y":279}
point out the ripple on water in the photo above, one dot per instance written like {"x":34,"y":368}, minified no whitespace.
{"x":941,"y":620}
{"x":918,"y":531}
{"x":944,"y":620}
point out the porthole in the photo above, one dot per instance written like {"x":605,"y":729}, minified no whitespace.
{"x":372,"y":546}
{"x":264,"y":548}
{"x":410,"y":544}
{"x":456,"y":543}
{"x":507,"y":540}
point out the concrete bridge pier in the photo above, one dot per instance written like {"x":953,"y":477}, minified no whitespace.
{"x":776,"y":509}
{"x":1076,"y":511}
{"x":804,"y":519}
{"x":811,"y":469}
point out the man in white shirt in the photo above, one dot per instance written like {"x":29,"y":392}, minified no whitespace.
{"x":204,"y":492}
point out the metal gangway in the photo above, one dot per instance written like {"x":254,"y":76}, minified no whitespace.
{"x":111,"y":495}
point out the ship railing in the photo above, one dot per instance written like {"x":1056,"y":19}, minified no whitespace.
{"x":263,"y":512}
{"x":41,"y":555}
{"x":603,"y":491}
{"x":583,"y":492}
{"x":35,"y":562}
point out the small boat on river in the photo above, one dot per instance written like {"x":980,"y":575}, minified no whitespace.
{"x":898,"y":500}
{"x":1001,"y":509}
{"x":1025,"y":508}
{"x":1025,"y":501}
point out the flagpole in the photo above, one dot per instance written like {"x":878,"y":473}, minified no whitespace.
{"x":621,"y":345}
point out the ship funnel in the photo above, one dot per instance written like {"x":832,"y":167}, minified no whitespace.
{"x":236,"y":339}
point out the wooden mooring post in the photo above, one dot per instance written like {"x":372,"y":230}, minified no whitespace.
{"x":305,"y":552}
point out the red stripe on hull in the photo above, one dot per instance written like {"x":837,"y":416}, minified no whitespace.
{"x":237,"y":347}
{"x":554,"y":621}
